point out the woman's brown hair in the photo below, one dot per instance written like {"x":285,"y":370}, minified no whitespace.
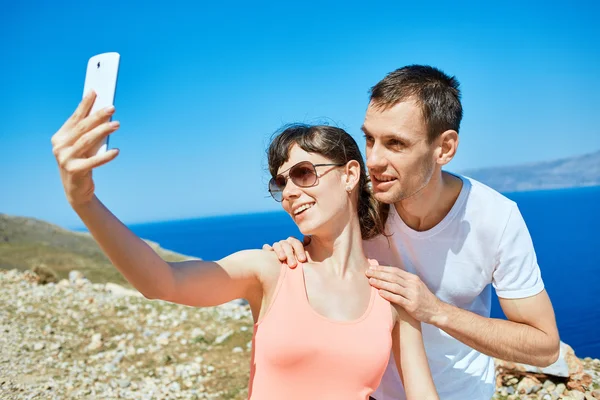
{"x":338,"y":146}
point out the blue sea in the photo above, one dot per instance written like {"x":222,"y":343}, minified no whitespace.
{"x":563,"y":224}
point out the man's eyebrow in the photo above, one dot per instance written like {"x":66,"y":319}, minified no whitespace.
{"x":389,"y":135}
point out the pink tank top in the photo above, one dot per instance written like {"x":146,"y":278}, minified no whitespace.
{"x":298,"y":354}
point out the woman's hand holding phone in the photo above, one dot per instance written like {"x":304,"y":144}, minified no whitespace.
{"x":74,"y":149}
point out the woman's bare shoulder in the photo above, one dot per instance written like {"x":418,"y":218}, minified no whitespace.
{"x":263,"y":262}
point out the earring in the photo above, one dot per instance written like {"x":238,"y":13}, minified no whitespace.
{"x":348,"y":189}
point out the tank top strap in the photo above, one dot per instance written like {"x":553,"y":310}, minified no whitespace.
{"x":286,"y":293}
{"x":294,"y":281}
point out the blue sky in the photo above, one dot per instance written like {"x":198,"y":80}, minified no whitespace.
{"x":203,"y":86}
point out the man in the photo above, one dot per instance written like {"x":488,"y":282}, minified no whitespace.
{"x":453,"y":239}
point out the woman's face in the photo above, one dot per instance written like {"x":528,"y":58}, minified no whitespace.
{"x":322,"y":207}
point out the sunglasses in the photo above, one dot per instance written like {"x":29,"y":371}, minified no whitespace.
{"x":303,"y":174}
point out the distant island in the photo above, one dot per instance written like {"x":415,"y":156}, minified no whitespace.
{"x":578,"y":171}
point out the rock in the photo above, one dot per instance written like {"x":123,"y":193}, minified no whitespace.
{"x":580,"y":382}
{"x":63,"y":283}
{"x":197,"y":332}
{"x":109,"y":368}
{"x":75,"y":276}
{"x":163,"y":338}
{"x":45,"y":274}
{"x":120,"y":291}
{"x":549,"y":385}
{"x":560,"y":389}
{"x":528,"y":385}
{"x":512,"y":381}
{"x":220,"y":339}
{"x":577,"y":395}
{"x":95,"y":343}
{"x":569,"y":378}
{"x":117,"y":359}
{"x":123,"y":383}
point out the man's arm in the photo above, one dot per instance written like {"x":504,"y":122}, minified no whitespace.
{"x":529,"y":336}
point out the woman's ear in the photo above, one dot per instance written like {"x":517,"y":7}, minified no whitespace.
{"x":351,"y":175}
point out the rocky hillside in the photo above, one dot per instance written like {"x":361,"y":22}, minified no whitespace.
{"x":81,"y":340}
{"x":26,"y":243}
{"x":78,"y":340}
{"x":564,"y":173}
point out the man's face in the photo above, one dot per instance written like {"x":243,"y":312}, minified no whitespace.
{"x":400,"y":159}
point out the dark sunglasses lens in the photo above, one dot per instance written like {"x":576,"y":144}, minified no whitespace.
{"x":303,"y":175}
{"x":276,"y":186}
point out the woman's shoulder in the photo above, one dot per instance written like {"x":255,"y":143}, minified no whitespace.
{"x":264,"y":263}
{"x":258,"y":260}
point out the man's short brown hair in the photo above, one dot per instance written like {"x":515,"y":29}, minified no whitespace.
{"x":436,"y":93}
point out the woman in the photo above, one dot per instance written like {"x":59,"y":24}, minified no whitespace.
{"x":321,"y":331}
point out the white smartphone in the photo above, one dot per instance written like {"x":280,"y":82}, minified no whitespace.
{"x":101,"y":76}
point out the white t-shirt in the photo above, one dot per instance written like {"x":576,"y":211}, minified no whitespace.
{"x":482,"y":242}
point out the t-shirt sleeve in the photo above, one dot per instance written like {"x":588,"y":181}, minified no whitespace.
{"x":517,"y":273}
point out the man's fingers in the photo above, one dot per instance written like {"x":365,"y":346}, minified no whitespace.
{"x":391,"y":276}
{"x":279,"y":251}
{"x":86,"y":164}
{"x":289,"y":253}
{"x":91,"y":138}
{"x":394,"y":298}
{"x":298,"y":249}
{"x":395,"y":270}
{"x":389,"y":286}
{"x":267,"y":247}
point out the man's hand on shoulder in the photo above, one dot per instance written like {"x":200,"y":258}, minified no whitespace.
{"x":405,"y":290}
{"x":290,"y":250}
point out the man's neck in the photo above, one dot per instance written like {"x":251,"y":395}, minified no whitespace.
{"x":428,"y":208}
